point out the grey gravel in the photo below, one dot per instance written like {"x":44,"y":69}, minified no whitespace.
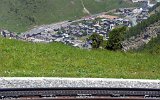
{"x":76,"y":82}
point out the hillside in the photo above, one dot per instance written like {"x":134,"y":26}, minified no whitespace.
{"x":136,"y":37}
{"x":144,"y":36}
{"x":153,"y":47}
{"x":27,"y":59}
{"x":19,"y":15}
{"x":155,"y":9}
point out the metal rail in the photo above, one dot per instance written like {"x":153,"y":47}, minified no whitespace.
{"x":82,"y":93}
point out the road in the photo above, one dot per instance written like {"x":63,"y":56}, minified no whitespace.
{"x":57,"y":25}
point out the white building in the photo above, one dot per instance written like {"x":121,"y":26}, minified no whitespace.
{"x":134,"y":1}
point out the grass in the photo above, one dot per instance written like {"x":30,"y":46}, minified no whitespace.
{"x":106,"y":5}
{"x":153,"y":47}
{"x":57,"y":60}
{"x":21,"y":15}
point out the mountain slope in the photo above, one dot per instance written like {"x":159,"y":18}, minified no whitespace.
{"x":19,"y":15}
{"x":153,"y":47}
{"x":135,"y":42}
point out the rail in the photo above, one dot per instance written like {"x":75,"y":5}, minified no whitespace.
{"x":81,"y":93}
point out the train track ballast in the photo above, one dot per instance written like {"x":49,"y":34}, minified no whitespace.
{"x":79,"y":92}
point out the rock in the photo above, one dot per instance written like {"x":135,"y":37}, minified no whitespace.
{"x":143,"y":38}
{"x":77,"y":82}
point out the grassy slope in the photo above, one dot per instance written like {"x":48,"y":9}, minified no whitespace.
{"x":27,"y":59}
{"x":105,"y":5}
{"x":16,"y":15}
{"x":153,"y":47}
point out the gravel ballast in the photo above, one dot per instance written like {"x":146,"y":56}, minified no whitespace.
{"x":76,"y":82}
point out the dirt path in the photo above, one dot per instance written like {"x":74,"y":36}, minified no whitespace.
{"x":85,"y":10}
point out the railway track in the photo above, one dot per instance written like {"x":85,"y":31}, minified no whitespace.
{"x":80,"y":93}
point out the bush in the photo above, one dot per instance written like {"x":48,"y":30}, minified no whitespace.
{"x":96,"y":39}
{"x":116,"y":36}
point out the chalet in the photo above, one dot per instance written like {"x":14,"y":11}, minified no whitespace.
{"x":134,"y":1}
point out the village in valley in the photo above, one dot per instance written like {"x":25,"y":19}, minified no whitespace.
{"x":76,"y":32}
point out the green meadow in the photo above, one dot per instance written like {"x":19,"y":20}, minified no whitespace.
{"x":19,"y":58}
